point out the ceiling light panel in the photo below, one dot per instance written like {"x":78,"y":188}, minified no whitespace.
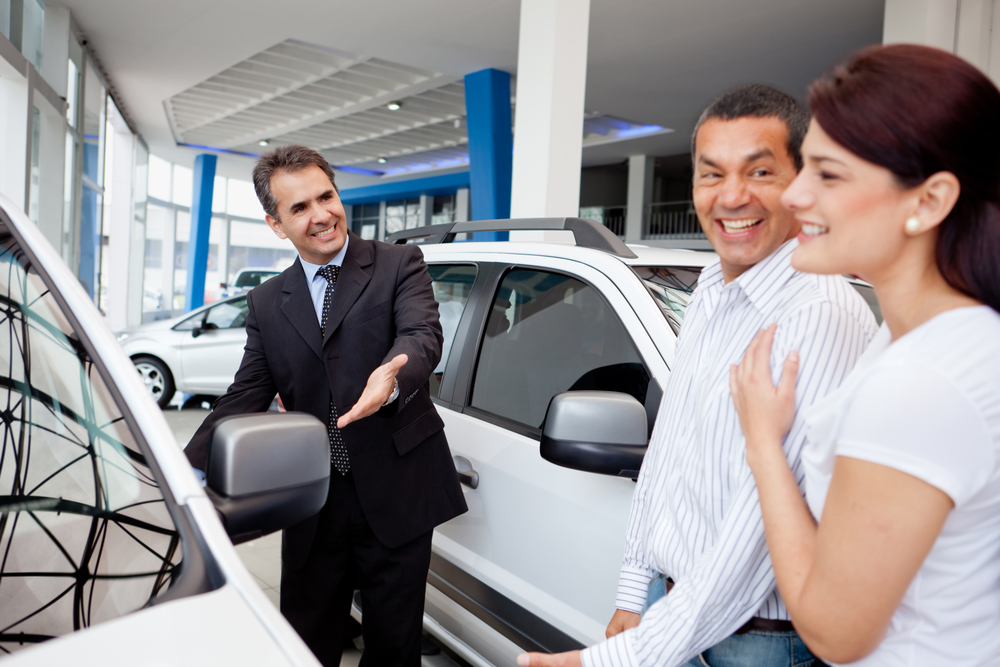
{"x":294,"y":86}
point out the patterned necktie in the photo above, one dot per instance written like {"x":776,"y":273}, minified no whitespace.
{"x":338,"y":452}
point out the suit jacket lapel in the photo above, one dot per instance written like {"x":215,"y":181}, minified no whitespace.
{"x":354,"y":275}
{"x":299,"y":309}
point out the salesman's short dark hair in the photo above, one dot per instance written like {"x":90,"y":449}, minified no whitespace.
{"x":759,"y":101}
{"x":290,"y":158}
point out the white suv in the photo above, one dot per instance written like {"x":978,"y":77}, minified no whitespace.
{"x":534,"y":563}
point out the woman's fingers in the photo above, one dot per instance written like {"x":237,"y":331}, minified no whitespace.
{"x":789,"y":374}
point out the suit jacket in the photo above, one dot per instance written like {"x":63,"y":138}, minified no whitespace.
{"x":383,"y":306}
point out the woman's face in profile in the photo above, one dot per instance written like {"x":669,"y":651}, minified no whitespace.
{"x":852,"y":212}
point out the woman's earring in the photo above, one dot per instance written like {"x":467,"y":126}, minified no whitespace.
{"x":913,"y":225}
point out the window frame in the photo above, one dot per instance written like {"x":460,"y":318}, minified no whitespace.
{"x":490,"y":284}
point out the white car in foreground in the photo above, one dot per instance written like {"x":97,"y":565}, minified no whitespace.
{"x":113,"y":553}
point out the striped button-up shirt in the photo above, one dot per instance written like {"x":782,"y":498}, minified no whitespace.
{"x":695,"y":513}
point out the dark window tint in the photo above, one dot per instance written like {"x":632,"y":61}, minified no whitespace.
{"x":452,"y":286}
{"x":671,"y":288}
{"x":85,"y":535}
{"x":548,"y":333}
{"x":253,"y":278}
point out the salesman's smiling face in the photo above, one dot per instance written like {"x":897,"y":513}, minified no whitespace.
{"x":741,"y":168}
{"x":310,"y":213}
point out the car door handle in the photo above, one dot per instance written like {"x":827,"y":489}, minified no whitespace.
{"x":466,"y":475}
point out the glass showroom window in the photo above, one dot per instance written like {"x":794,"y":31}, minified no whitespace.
{"x":84,"y":529}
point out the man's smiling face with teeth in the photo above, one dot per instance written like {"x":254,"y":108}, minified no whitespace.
{"x":742,"y":166}
{"x":310,"y":213}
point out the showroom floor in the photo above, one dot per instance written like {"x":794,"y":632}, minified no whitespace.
{"x":262,"y":557}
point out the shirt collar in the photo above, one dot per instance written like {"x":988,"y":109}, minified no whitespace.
{"x":338,"y":260}
{"x":757,"y":281}
{"x":763,"y":278}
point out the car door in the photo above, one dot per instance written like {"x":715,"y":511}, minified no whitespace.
{"x":210,"y":359}
{"x":547,"y":541}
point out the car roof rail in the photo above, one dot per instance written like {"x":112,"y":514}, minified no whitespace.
{"x":588,"y":234}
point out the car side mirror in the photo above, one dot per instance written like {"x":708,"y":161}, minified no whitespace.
{"x":267,"y":471}
{"x":595,"y":431}
{"x":199,"y":330}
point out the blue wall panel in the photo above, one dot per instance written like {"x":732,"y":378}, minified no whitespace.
{"x":446,"y":184}
{"x":201,"y":222}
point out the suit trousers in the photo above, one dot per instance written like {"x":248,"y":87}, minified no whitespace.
{"x":345,"y":556}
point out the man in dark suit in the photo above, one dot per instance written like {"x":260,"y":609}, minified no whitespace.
{"x":349,"y":333}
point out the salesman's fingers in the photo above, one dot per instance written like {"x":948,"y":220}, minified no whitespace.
{"x":571,"y":659}
{"x":377,"y":391}
{"x":395,"y":364}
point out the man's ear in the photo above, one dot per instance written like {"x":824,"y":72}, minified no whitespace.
{"x":275,"y":226}
{"x":938,"y":195}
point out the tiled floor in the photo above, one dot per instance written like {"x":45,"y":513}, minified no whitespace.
{"x":262,"y":556}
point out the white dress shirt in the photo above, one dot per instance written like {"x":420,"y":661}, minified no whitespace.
{"x":317,"y":283}
{"x":695,"y":512}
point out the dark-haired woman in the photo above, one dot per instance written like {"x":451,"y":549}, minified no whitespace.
{"x":893,"y":558}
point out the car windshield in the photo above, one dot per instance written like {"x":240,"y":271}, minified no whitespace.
{"x":671,"y":287}
{"x":253,"y":278}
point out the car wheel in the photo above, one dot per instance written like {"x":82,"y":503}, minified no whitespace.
{"x":156,"y":376}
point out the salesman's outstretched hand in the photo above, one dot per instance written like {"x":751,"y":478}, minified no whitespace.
{"x":377,"y":391}
{"x":570,"y":659}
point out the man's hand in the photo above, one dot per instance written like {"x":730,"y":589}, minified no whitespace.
{"x":571,"y":659}
{"x":377,"y":391}
{"x":620,"y":622}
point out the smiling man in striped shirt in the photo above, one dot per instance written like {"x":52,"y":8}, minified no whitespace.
{"x":697,"y":586}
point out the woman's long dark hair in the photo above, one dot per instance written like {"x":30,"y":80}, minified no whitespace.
{"x":917,"y":111}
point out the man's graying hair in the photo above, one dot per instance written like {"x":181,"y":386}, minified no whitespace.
{"x":758,"y":101}
{"x":284,"y":158}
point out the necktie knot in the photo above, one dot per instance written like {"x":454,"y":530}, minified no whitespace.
{"x":330,"y":273}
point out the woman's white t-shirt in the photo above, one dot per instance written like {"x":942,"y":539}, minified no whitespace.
{"x":929,"y":405}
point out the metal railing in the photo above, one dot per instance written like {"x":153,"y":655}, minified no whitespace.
{"x":672,"y":220}
{"x":612,"y":217}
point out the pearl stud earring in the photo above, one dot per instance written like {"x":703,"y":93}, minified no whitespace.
{"x":913,"y":225}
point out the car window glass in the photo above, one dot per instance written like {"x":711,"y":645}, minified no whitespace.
{"x":671,"y":288}
{"x":85,"y":535}
{"x":253,"y":278}
{"x":452,"y":286}
{"x":191,"y":322}
{"x":548,"y":333}
{"x":228,"y":315}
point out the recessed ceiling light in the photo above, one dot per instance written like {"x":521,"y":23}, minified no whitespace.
{"x":381,"y":160}
{"x":263,"y":142}
{"x":394,"y":106}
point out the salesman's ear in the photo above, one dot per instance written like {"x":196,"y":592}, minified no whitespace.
{"x":275,"y":226}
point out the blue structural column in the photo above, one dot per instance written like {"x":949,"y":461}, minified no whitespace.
{"x":201,"y":222}
{"x":491,"y":145}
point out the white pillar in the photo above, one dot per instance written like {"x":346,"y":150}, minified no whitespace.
{"x":121,"y":237}
{"x":462,"y":205}
{"x":968,"y":28}
{"x":380,"y":232}
{"x":548,"y":120}
{"x":640,"y":191}
{"x":15,"y":119}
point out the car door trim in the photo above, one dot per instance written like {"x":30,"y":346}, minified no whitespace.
{"x":520,"y":626}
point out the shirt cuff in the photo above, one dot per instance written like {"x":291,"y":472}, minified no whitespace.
{"x":395,"y":393}
{"x":616,"y":652}
{"x":633,"y":585}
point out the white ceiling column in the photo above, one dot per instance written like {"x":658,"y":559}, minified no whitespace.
{"x":968,"y":28}
{"x":548,"y":119}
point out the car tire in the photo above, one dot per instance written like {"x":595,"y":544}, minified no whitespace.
{"x":157,"y":378}
{"x":199,"y":402}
